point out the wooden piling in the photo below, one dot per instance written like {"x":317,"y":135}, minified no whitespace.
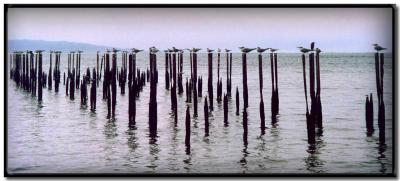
{"x":225,"y":110}
{"x":210,"y":81}
{"x":187,"y":129}
{"x":237,"y":101}
{"x":206,"y":122}
{"x":245,"y":88}
{"x":40,"y":79}
{"x":93,"y":90}
{"x":50,"y":78}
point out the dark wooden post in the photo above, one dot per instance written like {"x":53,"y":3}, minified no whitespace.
{"x":245,"y":89}
{"x":166,"y":71}
{"x":225,"y":110}
{"x":50,"y":78}
{"x":153,"y":94}
{"x":210,"y":81}
{"x":237,"y":101}
{"x":93,"y":89}
{"x":187,"y":126}
{"x":40,"y":82}
{"x":276,"y":84}
{"x":206,"y":123}
{"x":193,"y":56}
{"x":114,"y":82}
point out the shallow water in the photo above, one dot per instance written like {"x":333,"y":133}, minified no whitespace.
{"x":61,"y":136}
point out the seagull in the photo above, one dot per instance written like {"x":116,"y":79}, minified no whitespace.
{"x":108,"y":51}
{"x":209,"y":50}
{"x":175,"y":50}
{"x":219,"y":50}
{"x":134,"y":50}
{"x":227,"y":50}
{"x":196,"y":49}
{"x":246,"y":50}
{"x":318,"y":50}
{"x":37,"y":51}
{"x":74,"y":52}
{"x":115,"y":50}
{"x":153,"y":49}
{"x":80,"y":51}
{"x":272,"y":50}
{"x":303,"y":50}
{"x":312,"y":45}
{"x":260,"y":50}
{"x":378,"y":48}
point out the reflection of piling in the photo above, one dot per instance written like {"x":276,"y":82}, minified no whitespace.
{"x":210,"y":81}
{"x":379,"y":62}
{"x":237,"y":101}
{"x":206,"y":123}
{"x":369,"y":114}
{"x":187,"y":126}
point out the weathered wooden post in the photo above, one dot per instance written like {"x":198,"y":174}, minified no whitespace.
{"x":40,"y":82}
{"x":219,"y":82}
{"x":225,"y":110}
{"x":194,"y":79}
{"x":244,"y":72}
{"x":369,"y":114}
{"x":93,"y":90}
{"x":180,"y":67}
{"x":245,"y":127}
{"x":153,"y":93}
{"x":187,"y":126}
{"x":237,"y":101}
{"x":210,"y":79}
{"x":133,"y":87}
{"x":114,"y":81}
{"x":260,"y":74}
{"x":166,"y":70}
{"x":379,"y":70}
{"x":173,"y":89}
{"x":228,"y":85}
{"x":200,"y":86}
{"x":50,"y":78}
{"x":206,"y":123}
{"x":318,"y":93}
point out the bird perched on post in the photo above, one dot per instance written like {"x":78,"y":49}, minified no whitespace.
{"x":378,"y":47}
{"x":134,"y":50}
{"x":115,"y":50}
{"x":272,"y":50}
{"x":312,"y":45}
{"x":304,"y":50}
{"x":246,"y":50}
{"x":227,"y":50}
{"x":80,"y":51}
{"x":153,"y":49}
{"x":37,"y":51}
{"x":219,"y":50}
{"x":260,"y":50}
{"x":175,"y":50}
{"x":318,"y":50}
{"x":196,"y":49}
{"x":209,"y":50}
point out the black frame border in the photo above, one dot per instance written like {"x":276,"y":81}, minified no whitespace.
{"x":225,"y":175}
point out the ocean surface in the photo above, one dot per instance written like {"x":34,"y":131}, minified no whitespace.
{"x":61,"y":136}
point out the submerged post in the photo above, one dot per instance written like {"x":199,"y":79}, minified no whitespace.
{"x":210,"y":79}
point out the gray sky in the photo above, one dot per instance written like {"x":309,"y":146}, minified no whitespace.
{"x":333,"y":30}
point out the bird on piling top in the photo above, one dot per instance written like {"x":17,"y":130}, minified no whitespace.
{"x":38,"y":51}
{"x":318,"y":50}
{"x":134,"y":50}
{"x":174,"y":50}
{"x":303,"y":50}
{"x":260,"y":50}
{"x":312,"y":45}
{"x":153,"y":50}
{"x":209,"y":50}
{"x":378,"y":47}
{"x":219,"y":50}
{"x":196,"y":49}
{"x":51,"y":51}
{"x":58,"y":52}
{"x":227,"y":50}
{"x":80,"y":51}
{"x":272,"y":50}
{"x":108,"y":51}
{"x":115,"y":50}
{"x":246,"y":50}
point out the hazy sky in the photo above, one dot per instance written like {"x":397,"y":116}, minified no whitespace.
{"x":333,"y":30}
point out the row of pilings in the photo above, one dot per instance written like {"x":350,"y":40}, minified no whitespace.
{"x":369,"y":106}
{"x":313,"y":116}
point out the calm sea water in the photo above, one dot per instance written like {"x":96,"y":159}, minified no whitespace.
{"x":61,"y":136}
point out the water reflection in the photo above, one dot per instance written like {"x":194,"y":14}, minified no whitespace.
{"x":110,"y":129}
{"x":132,"y":139}
{"x":382,"y":157}
{"x":243,"y":161}
{"x":153,"y":152}
{"x":313,"y":161}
